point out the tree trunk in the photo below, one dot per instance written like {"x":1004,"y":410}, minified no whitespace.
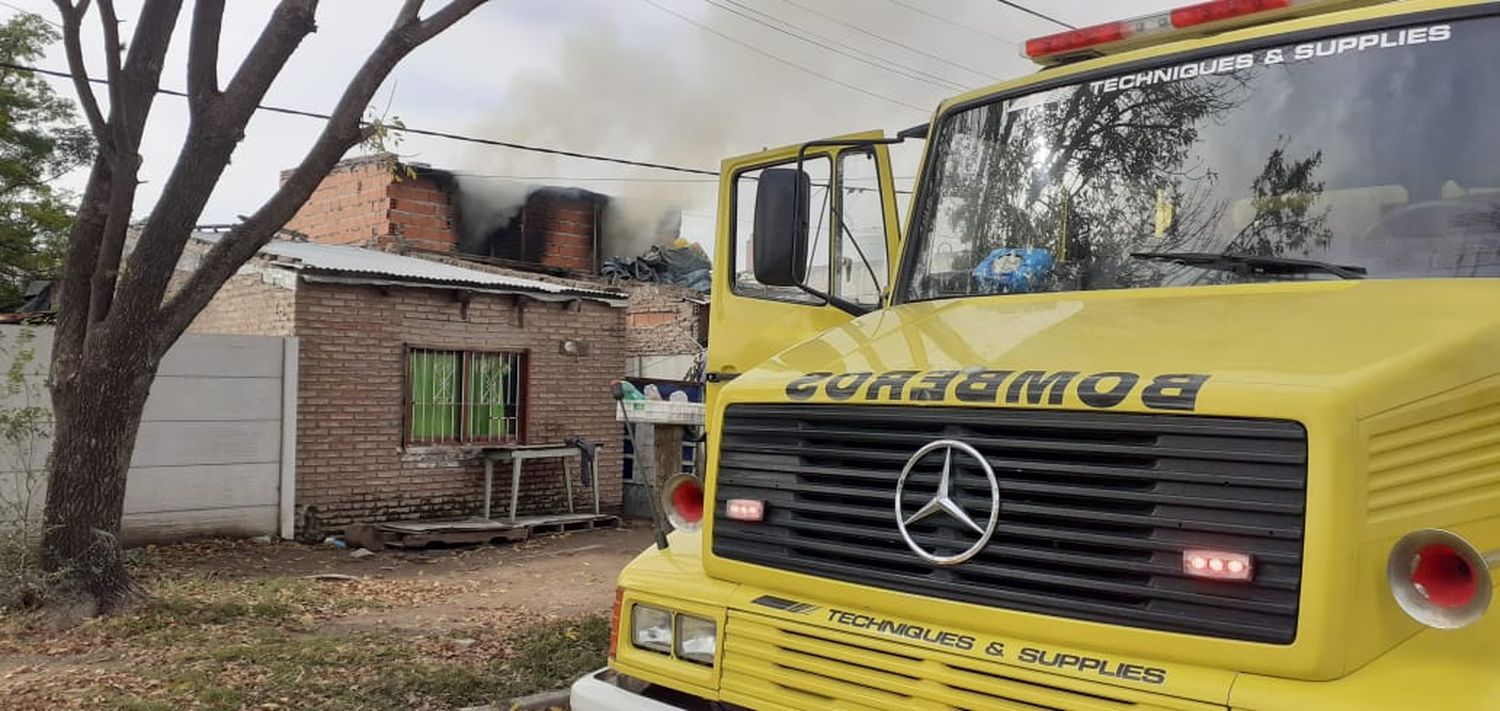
{"x":97,"y":412}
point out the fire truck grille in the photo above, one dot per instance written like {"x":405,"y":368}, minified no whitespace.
{"x":1096,"y":509}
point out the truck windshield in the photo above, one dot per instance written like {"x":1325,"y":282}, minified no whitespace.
{"x":1372,"y":154}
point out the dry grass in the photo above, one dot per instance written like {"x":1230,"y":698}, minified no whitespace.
{"x":205,"y":641}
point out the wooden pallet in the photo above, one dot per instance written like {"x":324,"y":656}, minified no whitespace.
{"x":479,"y":531}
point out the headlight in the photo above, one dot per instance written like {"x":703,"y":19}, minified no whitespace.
{"x":696,"y":639}
{"x":651,"y":628}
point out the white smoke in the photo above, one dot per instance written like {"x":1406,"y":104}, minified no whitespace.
{"x":690,"y":103}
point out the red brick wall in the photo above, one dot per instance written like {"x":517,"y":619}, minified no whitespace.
{"x":565,"y":227}
{"x":421,"y":214}
{"x":350,"y":206}
{"x":351,"y":463}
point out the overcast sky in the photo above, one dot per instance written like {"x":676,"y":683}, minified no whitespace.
{"x":627,"y":78}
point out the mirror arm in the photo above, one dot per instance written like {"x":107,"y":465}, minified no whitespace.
{"x":848,"y":307}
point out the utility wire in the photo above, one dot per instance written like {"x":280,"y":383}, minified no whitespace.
{"x":583,"y":179}
{"x":915,"y":50}
{"x":947,"y":21}
{"x":1036,"y":13}
{"x":783,"y":60}
{"x":414,"y":131}
{"x":823,"y":42}
{"x":24,"y":11}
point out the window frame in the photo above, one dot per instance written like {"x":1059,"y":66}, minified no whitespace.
{"x":836,"y":242}
{"x":463,"y":436}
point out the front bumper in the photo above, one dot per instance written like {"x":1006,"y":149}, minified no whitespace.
{"x":600,"y":691}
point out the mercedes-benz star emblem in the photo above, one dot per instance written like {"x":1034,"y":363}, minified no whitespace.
{"x":943,"y":502}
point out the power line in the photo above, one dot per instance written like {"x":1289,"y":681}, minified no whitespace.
{"x":916,"y":50}
{"x":947,"y":21}
{"x":1036,"y":13}
{"x":783,"y":60}
{"x":817,"y":40}
{"x":414,"y":131}
{"x":24,"y":11}
{"x":587,"y":179}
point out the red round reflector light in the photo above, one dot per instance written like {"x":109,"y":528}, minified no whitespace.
{"x":1444,"y":577}
{"x":1439,"y":579}
{"x":682,"y":499}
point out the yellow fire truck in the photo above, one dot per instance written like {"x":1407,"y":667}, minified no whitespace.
{"x":1180,"y":389}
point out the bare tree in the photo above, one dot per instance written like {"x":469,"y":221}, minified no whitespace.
{"x":117,"y":319}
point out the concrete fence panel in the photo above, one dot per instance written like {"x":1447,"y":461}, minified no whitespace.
{"x":214,"y":453}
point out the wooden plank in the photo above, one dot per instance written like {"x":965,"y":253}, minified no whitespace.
{"x":437,"y":526}
{"x":666,"y":460}
{"x":420,"y":534}
{"x":459,"y":538}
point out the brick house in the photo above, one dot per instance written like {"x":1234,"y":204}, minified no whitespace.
{"x":408,"y":365}
{"x":378,"y":202}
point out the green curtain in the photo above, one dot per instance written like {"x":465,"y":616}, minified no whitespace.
{"x":489,"y":387}
{"x":434,"y":387}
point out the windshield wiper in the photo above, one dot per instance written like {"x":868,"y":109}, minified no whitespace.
{"x":1246,"y":262}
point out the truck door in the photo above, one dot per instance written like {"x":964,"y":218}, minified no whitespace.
{"x":852,"y":243}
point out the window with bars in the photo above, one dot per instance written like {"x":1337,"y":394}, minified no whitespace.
{"x":464,"y":397}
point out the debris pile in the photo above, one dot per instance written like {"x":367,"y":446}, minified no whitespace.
{"x":685,"y":265}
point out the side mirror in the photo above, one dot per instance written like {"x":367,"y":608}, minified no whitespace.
{"x":781,"y":221}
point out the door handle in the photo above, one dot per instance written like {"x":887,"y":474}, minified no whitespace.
{"x":719,"y":376}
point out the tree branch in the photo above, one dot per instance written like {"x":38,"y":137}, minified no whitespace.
{"x":443,"y":19}
{"x":292,"y":21}
{"x":73,"y":46}
{"x":213,"y":134}
{"x":408,"y":14}
{"x":109,"y":23}
{"x":203,"y":52}
{"x":342,"y":132}
{"x":133,"y":92}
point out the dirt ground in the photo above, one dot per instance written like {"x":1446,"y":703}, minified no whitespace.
{"x":245,"y":624}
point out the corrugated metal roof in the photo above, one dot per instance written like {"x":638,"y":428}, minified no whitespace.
{"x":346,"y":260}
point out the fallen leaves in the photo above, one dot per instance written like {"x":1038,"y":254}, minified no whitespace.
{"x":266,"y":625}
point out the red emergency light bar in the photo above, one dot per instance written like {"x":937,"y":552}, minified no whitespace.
{"x":1204,"y":13}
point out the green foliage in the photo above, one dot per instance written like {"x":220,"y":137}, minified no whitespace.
{"x":25,"y":429}
{"x":40,"y":141}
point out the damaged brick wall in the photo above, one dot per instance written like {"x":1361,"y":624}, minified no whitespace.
{"x":560,"y":228}
{"x":664,"y":320}
{"x":368,"y":202}
{"x":421,"y":215}
{"x":351,"y":462}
